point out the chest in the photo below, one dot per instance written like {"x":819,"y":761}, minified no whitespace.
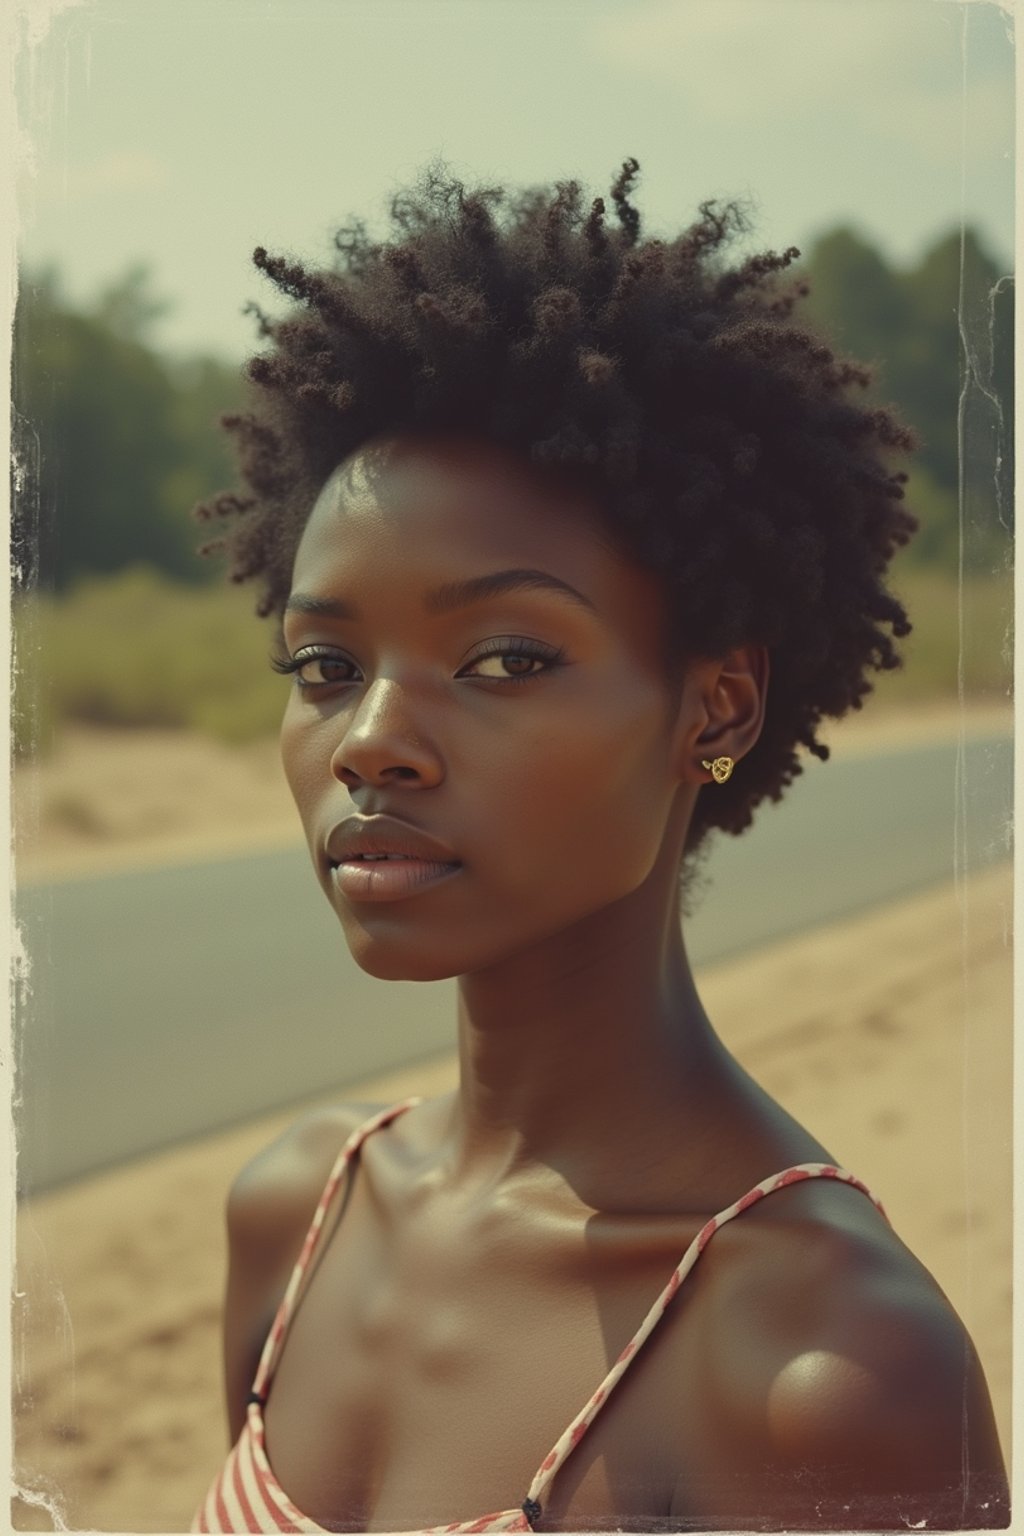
{"x":430,"y":1368}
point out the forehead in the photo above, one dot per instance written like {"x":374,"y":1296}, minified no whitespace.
{"x":451,"y":498}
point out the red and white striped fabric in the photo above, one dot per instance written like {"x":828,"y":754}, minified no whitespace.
{"x":246,"y":1496}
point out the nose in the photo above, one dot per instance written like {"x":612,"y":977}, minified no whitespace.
{"x":382,"y":745}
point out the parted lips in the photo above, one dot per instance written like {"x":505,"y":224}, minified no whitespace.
{"x":367,"y":837}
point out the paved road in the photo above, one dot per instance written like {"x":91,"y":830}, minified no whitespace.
{"x":169,"y":1002}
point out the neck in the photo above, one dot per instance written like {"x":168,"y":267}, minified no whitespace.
{"x":578,"y":1053}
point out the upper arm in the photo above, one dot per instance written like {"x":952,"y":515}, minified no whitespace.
{"x":269,"y":1208}
{"x":891,"y":1424}
{"x":846,"y":1394}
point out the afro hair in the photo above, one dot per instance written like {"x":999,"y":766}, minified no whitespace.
{"x":721,"y":439}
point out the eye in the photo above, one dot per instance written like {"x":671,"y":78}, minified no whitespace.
{"x":506,"y":664}
{"x":512,"y":660}
{"x":316,"y":669}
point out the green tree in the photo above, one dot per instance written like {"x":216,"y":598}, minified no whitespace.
{"x":940,"y":338}
{"x":1003,"y":320}
{"x":109,"y":443}
{"x":857,"y":298}
{"x":204,"y":389}
{"x":949,"y":343}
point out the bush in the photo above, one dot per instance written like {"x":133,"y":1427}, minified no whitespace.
{"x":938,"y":651}
{"x":139,"y":650}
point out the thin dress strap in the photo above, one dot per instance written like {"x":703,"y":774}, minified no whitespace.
{"x":571,"y":1437}
{"x":275,"y":1338}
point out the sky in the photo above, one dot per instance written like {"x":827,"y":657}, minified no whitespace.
{"x":182,"y":133}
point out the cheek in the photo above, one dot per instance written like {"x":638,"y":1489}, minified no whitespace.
{"x":305,"y":761}
{"x":591,"y":795}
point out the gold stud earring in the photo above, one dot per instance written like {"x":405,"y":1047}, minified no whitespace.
{"x":720,"y":769}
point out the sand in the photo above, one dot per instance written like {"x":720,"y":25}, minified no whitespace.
{"x":889,"y":1036}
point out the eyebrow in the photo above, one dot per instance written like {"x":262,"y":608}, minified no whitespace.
{"x":452,"y":595}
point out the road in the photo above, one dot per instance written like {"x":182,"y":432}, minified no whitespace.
{"x":170,"y":1002}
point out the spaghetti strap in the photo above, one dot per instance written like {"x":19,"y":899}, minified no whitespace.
{"x":573,"y":1434}
{"x":279,"y":1328}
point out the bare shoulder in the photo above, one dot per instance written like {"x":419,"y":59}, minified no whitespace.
{"x":269,"y":1208}
{"x":277,"y":1191}
{"x":842,"y":1383}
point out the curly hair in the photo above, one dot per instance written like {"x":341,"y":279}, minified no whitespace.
{"x":719,"y":437}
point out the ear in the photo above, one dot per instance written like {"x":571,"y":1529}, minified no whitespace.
{"x":721,"y":710}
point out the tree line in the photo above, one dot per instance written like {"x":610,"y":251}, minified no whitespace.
{"x":114,"y":442}
{"x":940,"y":339}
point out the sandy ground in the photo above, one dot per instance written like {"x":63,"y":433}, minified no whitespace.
{"x":888,"y":1035}
{"x":111,"y":800}
{"x":902,"y":1066}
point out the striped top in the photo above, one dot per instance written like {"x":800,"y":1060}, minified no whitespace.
{"x":246,"y":1496}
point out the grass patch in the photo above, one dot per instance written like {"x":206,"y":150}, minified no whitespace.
{"x":139,"y":650}
{"x":966,"y":631}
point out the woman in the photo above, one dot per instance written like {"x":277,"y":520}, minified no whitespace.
{"x":574,"y":539}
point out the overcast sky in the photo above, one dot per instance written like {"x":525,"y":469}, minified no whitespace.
{"x":184,"y":132}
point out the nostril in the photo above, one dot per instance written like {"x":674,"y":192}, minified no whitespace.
{"x":352,"y":776}
{"x":374,"y":754}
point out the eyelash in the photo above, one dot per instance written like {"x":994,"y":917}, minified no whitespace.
{"x":507,"y":645}
{"x":292,"y":666}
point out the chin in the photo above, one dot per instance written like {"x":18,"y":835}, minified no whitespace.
{"x":393,"y":960}
{"x":394,"y":949}
{"x":395,"y":968}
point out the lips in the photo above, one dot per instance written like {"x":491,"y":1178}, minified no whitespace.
{"x":379,"y":858}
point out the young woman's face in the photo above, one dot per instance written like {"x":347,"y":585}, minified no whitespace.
{"x":513,"y":732}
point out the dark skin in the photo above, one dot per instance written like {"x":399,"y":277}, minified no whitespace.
{"x":501,"y":1244}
